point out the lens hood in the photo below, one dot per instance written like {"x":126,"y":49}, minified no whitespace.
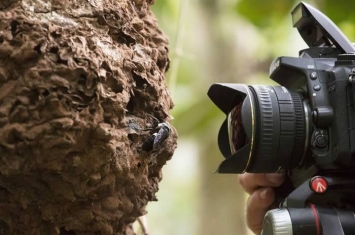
{"x":226,"y":96}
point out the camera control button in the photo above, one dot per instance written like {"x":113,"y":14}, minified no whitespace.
{"x":318,"y":184}
{"x":321,"y":141}
{"x":313,"y":75}
{"x":317,"y":87}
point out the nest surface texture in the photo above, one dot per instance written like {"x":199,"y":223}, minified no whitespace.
{"x":82,"y":86}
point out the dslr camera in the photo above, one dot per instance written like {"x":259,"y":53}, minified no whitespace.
{"x":304,"y":128}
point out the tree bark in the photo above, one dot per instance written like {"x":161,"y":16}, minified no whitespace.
{"x":82,"y":86}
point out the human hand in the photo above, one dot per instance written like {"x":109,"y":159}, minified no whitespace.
{"x":262,"y":195}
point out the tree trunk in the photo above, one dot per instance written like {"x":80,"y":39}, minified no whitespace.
{"x":82,"y":86}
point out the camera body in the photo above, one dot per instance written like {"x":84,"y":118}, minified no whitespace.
{"x":325,"y":76}
{"x":304,"y":128}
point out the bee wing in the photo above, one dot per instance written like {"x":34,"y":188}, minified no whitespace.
{"x":159,"y":140}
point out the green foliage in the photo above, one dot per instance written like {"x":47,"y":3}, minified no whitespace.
{"x":167,"y":13}
{"x":264,"y":13}
{"x":165,"y":7}
{"x":339,"y":11}
{"x":342,"y":14}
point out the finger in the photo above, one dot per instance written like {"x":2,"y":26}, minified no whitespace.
{"x":250,"y":181}
{"x":257,"y":205}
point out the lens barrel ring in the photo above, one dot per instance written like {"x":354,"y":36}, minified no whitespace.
{"x":280,"y":129}
{"x":300,"y":131}
{"x":267,"y":125}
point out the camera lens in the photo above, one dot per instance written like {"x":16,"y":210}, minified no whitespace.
{"x":236,"y":132}
{"x":266,"y":129}
{"x":279,"y":129}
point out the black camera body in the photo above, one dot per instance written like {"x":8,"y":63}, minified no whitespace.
{"x":304,"y":128}
{"x":326,"y":76}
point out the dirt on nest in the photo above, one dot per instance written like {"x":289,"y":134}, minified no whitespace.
{"x":82,"y":86}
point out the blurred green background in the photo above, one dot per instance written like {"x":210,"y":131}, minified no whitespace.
{"x":218,"y":41}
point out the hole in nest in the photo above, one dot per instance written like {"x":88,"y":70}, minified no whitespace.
{"x":130,"y":137}
{"x":55,"y":34}
{"x":63,"y":231}
{"x":121,"y":37}
{"x":101,"y":20}
{"x":14,"y":25}
{"x":82,"y":78}
{"x":14,"y":137}
{"x":54,"y":50}
{"x":92,"y":111}
{"x":140,"y":82}
{"x":113,"y":83}
{"x":2,"y":39}
{"x":38,"y":48}
{"x":45,"y":93}
{"x":139,"y":164}
{"x":161,"y":63}
{"x":130,"y":105}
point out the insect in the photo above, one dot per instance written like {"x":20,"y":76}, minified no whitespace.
{"x":148,"y":143}
{"x":157,"y":139}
